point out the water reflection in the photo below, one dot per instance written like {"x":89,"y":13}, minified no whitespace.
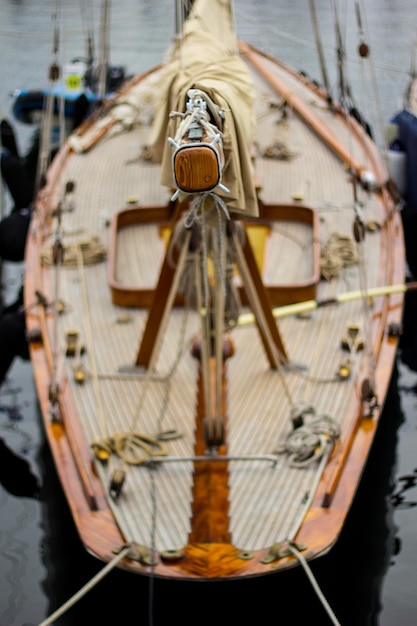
{"x":16,"y":474}
{"x":404,"y":483}
{"x":408,"y":342}
{"x":360,"y":560}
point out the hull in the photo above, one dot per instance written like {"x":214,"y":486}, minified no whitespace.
{"x":183,"y":435}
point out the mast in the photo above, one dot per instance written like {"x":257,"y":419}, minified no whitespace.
{"x":344,"y":89}
{"x":182,"y":10}
{"x":104,"y":50}
{"x":320,"y":50}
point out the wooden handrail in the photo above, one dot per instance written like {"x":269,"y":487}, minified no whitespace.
{"x":302,"y":109}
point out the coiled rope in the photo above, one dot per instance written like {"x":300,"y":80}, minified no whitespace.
{"x":337,"y":253}
{"x":92,"y":251}
{"x":310,"y":442}
{"x":133,"y":448}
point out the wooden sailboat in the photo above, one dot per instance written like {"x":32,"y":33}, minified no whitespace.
{"x":214,"y":296}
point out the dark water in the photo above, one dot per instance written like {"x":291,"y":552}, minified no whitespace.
{"x":369,"y":577}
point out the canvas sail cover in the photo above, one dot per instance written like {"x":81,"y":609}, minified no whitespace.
{"x":206,"y":58}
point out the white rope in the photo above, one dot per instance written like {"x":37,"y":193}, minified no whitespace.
{"x":195,"y":115}
{"x":314,"y":583}
{"x":219,"y":298}
{"x":87,"y":587}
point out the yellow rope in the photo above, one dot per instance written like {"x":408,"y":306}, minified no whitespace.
{"x":312,"y":305}
{"x":132,"y":448}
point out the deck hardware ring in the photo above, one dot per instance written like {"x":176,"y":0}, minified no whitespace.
{"x":245,"y":555}
{"x":172,"y":555}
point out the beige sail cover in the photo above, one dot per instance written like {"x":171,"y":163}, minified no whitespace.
{"x":206,"y":58}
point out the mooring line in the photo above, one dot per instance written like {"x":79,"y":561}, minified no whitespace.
{"x":87,"y":587}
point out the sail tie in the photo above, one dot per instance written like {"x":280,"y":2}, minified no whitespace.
{"x":196,"y":112}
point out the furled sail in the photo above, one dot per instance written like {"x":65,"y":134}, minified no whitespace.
{"x":206,"y":58}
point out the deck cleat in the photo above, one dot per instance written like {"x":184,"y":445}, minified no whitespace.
{"x":394,"y":330}
{"x":368,"y":397}
{"x":172,"y":555}
{"x":281,"y":550}
{"x":142,"y":554}
{"x":34,"y":335}
{"x":245,"y":555}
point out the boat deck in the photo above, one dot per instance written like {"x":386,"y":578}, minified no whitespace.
{"x":266,"y":501}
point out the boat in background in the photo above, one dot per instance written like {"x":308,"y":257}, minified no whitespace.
{"x":402,"y":162}
{"x":78,"y":93}
{"x":73,"y":94}
{"x":401,"y":142}
{"x":214,"y":288}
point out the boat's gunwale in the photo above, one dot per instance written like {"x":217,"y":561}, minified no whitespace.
{"x":73,"y":459}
